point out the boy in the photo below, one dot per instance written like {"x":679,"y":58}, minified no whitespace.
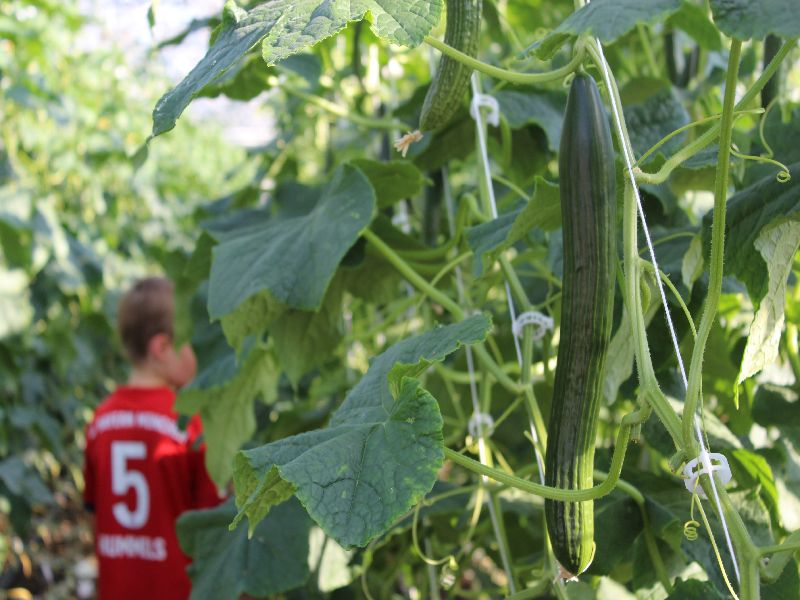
{"x":141,"y":470}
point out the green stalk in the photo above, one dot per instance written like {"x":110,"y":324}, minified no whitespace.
{"x":648,"y":50}
{"x":647,"y":379}
{"x":482,"y":354}
{"x":343,"y":111}
{"x":505,"y":74}
{"x":551,"y":493}
{"x":717,"y":246}
{"x":792,"y":350}
{"x":515,"y":284}
{"x":711,"y":134}
{"x":413,"y":277}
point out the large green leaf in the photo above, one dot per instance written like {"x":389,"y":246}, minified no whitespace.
{"x":543,"y":210}
{"x":613,"y":544}
{"x":226,"y":564}
{"x":223,"y":395}
{"x":538,"y":107}
{"x":744,"y":19}
{"x":289,"y":262}
{"x":693,"y":19}
{"x":608,"y":20}
{"x":393,"y":180}
{"x":749,"y":211}
{"x":693,"y":589}
{"x":286,"y":27}
{"x":304,"y":339}
{"x":652,"y":118}
{"x":378,"y":457}
{"x":777,"y":243}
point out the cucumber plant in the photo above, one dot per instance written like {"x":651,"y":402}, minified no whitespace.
{"x":570,"y":276}
{"x":415,"y":436}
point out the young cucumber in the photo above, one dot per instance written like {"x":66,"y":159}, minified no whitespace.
{"x":452,"y":78}
{"x":586,"y":173}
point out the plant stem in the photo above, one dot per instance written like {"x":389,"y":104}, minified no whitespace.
{"x":413,"y":277}
{"x":711,"y":134}
{"x":342,"y":111}
{"x":495,"y":369}
{"x":648,"y":50}
{"x":552,"y":493}
{"x":717,"y":246}
{"x":792,"y":351}
{"x":516,"y":285}
{"x":505,"y":74}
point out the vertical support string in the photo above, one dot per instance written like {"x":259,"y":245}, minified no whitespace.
{"x":487,"y":176}
{"x":627,"y":152}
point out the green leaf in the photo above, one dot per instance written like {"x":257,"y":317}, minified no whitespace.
{"x":749,"y":211}
{"x":23,"y":481}
{"x":226,"y":564}
{"x":403,"y":22}
{"x":652,"y":118}
{"x":538,"y":107}
{"x":378,"y":457}
{"x":608,"y":20}
{"x":543,"y":210}
{"x":15,"y":241}
{"x":777,"y":244}
{"x":289,"y":262}
{"x":393,"y":180}
{"x":374,"y":280}
{"x":694,"y":590}
{"x":304,"y":339}
{"x":456,"y":141}
{"x":743,"y":19}
{"x":223,"y":395}
{"x":16,"y":312}
{"x":243,"y":81}
{"x":613,"y":544}
{"x":693,"y":19}
{"x":751,"y":470}
{"x":692,"y":264}
{"x":774,"y":405}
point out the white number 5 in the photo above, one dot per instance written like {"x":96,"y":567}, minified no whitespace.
{"x":122,"y":479}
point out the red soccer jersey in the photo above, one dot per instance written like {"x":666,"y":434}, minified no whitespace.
{"x":141,"y":473}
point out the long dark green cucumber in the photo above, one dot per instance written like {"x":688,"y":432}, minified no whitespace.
{"x":452,"y":78}
{"x":588,"y":208}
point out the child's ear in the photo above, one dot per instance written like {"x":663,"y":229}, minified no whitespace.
{"x":159,"y":346}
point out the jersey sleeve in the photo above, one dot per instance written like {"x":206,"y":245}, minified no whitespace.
{"x":205,"y":493}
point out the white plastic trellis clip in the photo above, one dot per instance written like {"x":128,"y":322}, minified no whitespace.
{"x":705,"y":464}
{"x":480,"y":423}
{"x":485,"y":100}
{"x":542,"y":324}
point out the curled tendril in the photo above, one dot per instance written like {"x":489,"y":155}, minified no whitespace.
{"x":783,"y":175}
{"x":736,"y":115}
{"x":449,"y":559}
{"x":690,"y":530}
{"x":568,"y":80}
{"x":761,"y":125}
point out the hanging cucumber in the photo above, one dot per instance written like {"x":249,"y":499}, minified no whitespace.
{"x":587,"y":189}
{"x":451,"y":80}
